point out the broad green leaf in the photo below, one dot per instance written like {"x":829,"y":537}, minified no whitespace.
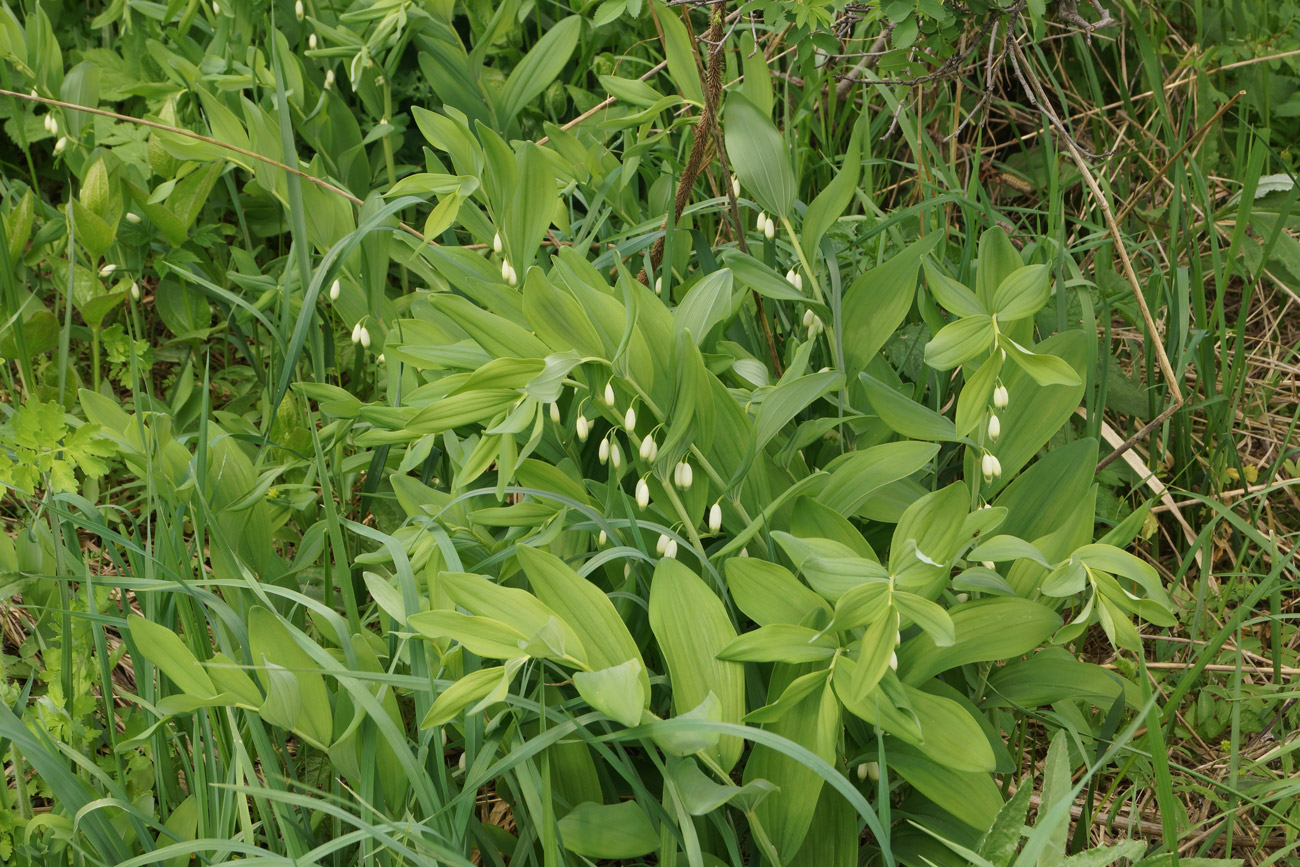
{"x":585,"y":608}
{"x":706,"y":304}
{"x":483,"y":597}
{"x":1044,"y":368}
{"x":759,"y":156}
{"x":529,"y":206}
{"x":1108,"y":558}
{"x":984,"y":630}
{"x":864,"y":604}
{"x":471,"y":689}
{"x":875,"y":653}
{"x":701,"y":795}
{"x":1022,"y":293}
{"x":618,"y":692}
{"x":1053,"y":823}
{"x":757,"y":83}
{"x":780,"y":642}
{"x":483,"y":636}
{"x":970,"y":796}
{"x":907,"y":416}
{"x":683,"y":744}
{"x":830,"y":203}
{"x":951,"y":295}
{"x":1002,"y":548}
{"x":790,"y":697}
{"x":297,"y":697}
{"x":876,"y":303}
{"x":164,"y":648}
{"x":692,"y":628}
{"x":830,"y":568}
{"x":461,"y":409}
{"x":976,"y":395}
{"x":960,"y":341}
{"x":856,"y":475}
{"x":611,"y":831}
{"x":998,"y":259}
{"x":1065,"y":580}
{"x":558,"y":318}
{"x":1053,"y":675}
{"x":540,"y":66}
{"x":769,"y":594}
{"x":933,"y":620}
{"x":787,"y":400}
{"x":754,"y":274}
{"x":679,"y":51}
{"x":630,"y":90}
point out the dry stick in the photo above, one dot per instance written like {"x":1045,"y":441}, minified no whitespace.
{"x":1166,"y":369}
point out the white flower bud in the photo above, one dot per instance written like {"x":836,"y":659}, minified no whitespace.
{"x":106,"y":270}
{"x":659,"y":285}
{"x":661,"y":543}
{"x":769,"y":229}
{"x":649,"y":450}
{"x":808,"y":318}
{"x":555,"y":413}
{"x":298,"y":10}
{"x":135,"y":291}
{"x":744,"y":552}
{"x":513,"y":278}
{"x":798,"y":281}
{"x":329,"y":78}
{"x":629,"y":418}
{"x":334,"y":290}
{"x":735,"y":186}
{"x":460,"y":764}
{"x":311,"y":42}
{"x":761,"y":223}
{"x":602,"y":539}
{"x":991,"y":467}
{"x":685,"y":475}
{"x":642,"y":493}
{"x":61,"y":145}
{"x":505,"y":269}
{"x":132,"y":217}
{"x":609,"y":393}
{"x":583,"y":427}
{"x":989,"y":564}
{"x":995,"y":428}
{"x":789,"y":276}
{"x":893,"y":661}
{"x":365,"y":337}
{"x":962,"y":597}
{"x":216,"y":7}
{"x":1000,"y":397}
{"x":356,"y":333}
{"x":715,"y":518}
{"x":496,"y":243}
{"x":869,"y":771}
{"x":380,"y":358}
{"x":898,"y":638}
{"x":670,"y":549}
{"x":603,"y":452}
{"x":615,"y":455}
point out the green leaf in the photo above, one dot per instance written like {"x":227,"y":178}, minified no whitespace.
{"x":951,"y":295}
{"x":679,"y":51}
{"x":780,"y":642}
{"x":984,"y":630}
{"x":932,"y":619}
{"x":706,"y":304}
{"x":960,"y":341}
{"x":558,"y":318}
{"x":618,"y":692}
{"x":483,"y":636}
{"x":1002,"y":548}
{"x":876,"y":303}
{"x":540,"y":66}
{"x":856,"y":475}
{"x":762,"y":279}
{"x":769,"y":594}
{"x":692,"y":628}
{"x":297,"y":697}
{"x":759,"y":156}
{"x":610,"y":831}
{"x":483,"y":597}
{"x":1022,"y":293}
{"x":471,"y":689}
{"x":1043,"y":368}
{"x":164,"y":648}
{"x":998,"y":258}
{"x":529,"y":205}
{"x":788,"y":399}
{"x":701,"y":795}
{"x":906,"y":416}
{"x":830,"y":203}
{"x":971,"y":797}
{"x":976,"y":395}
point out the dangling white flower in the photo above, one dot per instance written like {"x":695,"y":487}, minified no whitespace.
{"x":583,"y":427}
{"x":1000,"y":397}
{"x":869,"y":771}
{"x":798,"y":281}
{"x":659,"y":285}
{"x":789,"y":276}
{"x":380,"y":358}
{"x":715,"y":518}
{"x":649,"y":450}
{"x":629,"y":419}
{"x":609,"y":393}
{"x":989,"y":564}
{"x":769,"y":229}
{"x":670,"y":549}
{"x":744,"y":552}
{"x":298,"y":10}
{"x":995,"y":428}
{"x":496,"y":243}
{"x":365,"y":337}
{"x":808,"y":316}
{"x":51,"y":125}
{"x":683,"y":475}
{"x":311,"y":42}
{"x":135,"y":291}
{"x":603,"y":452}
{"x":335,"y":288}
{"x":962,"y":597}
{"x":505,"y":269}
{"x":356,"y":333}
{"x":329,"y":78}
{"x":106,"y":270}
{"x":513,"y":278}
{"x":642,"y":494}
{"x":893,"y":661}
{"x":61,"y":145}
{"x":761,"y":223}
{"x":991,"y":467}
{"x":555,"y":412}
{"x":132,"y":217}
{"x":615,"y":455}
{"x":735,"y":186}
{"x":602,"y":539}
{"x":661,"y":543}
